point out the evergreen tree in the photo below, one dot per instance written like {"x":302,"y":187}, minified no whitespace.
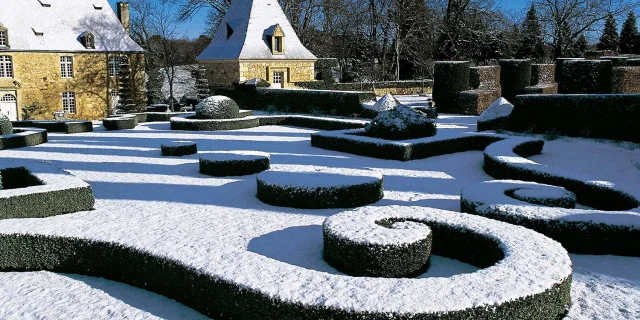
{"x":126,"y":84}
{"x":609,"y":39}
{"x":155,"y":81}
{"x":628,"y":33}
{"x":202,"y":83}
{"x":531,"y":44}
{"x":581,"y":46}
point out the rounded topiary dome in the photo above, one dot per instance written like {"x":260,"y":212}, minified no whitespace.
{"x":217,"y":107}
{"x":5,"y":125}
{"x":401,"y":123}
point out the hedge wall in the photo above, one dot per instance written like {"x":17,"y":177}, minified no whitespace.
{"x":616,"y":61}
{"x":585,"y":77}
{"x":341,"y":103}
{"x":311,"y":122}
{"x":23,"y":138}
{"x":380,"y":88}
{"x":191,"y":123}
{"x":633,"y":62}
{"x":120,"y":123}
{"x":613,"y":117}
{"x":56,"y":126}
{"x":559,"y":64}
{"x":474,"y":102}
{"x":487,"y":77}
{"x":515,"y":76}
{"x":41,"y":190}
{"x":450,"y":78}
{"x":625,"y":80}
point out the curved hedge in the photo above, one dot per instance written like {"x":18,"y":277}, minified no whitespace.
{"x":234,"y":163}
{"x":449,"y":79}
{"x":508,"y":254}
{"x":179,"y":148}
{"x":33,"y":189}
{"x":56,"y":126}
{"x":120,"y":123}
{"x":191,"y":123}
{"x":23,"y":138}
{"x":584,"y":231}
{"x":320,"y":188}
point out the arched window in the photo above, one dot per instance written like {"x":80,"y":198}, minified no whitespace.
{"x":8,"y":98}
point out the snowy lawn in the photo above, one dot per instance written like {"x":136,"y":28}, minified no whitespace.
{"x":165,"y":205}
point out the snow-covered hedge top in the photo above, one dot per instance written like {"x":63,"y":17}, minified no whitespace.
{"x":317,"y":176}
{"x":399,"y":118}
{"x":191,"y":117}
{"x":52,"y":177}
{"x":174,"y":144}
{"x":500,"y":108}
{"x":217,"y":107}
{"x":491,"y":197}
{"x":387,"y":102}
{"x":236,"y":155}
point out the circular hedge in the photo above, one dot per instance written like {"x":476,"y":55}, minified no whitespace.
{"x":179,"y":148}
{"x":120,"y":123}
{"x":191,"y":122}
{"x":524,"y":275}
{"x":234,"y":163}
{"x":549,"y":210}
{"x":217,"y":107}
{"x":320,"y":187}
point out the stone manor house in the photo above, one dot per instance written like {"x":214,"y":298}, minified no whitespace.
{"x":256,"y":40}
{"x":64,"y":55}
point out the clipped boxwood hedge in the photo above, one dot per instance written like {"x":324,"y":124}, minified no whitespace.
{"x":179,"y":148}
{"x":311,"y":122}
{"x":120,"y":123}
{"x":190,"y":122}
{"x":238,"y":163}
{"x":56,"y":126}
{"x":23,"y":138}
{"x":612,"y":116}
{"x":450,"y":78}
{"x":559,"y":63}
{"x":340,"y":103}
{"x":158,"y":116}
{"x":585,"y":77}
{"x":298,"y":189}
{"x":40,"y":189}
{"x":625,"y":80}
{"x":394,"y":87}
{"x":474,"y":102}
{"x":515,"y":76}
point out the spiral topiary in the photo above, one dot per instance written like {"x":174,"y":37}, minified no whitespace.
{"x":217,"y":107}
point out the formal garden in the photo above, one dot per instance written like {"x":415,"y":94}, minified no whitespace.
{"x":303,"y":204}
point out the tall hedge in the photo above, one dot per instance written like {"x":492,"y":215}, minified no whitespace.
{"x":625,"y":80}
{"x":515,"y":76}
{"x":340,"y":103}
{"x":612,"y":116}
{"x":559,"y":64}
{"x":585,"y":77}
{"x":449,"y":79}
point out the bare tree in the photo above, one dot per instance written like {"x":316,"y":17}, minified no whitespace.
{"x":565,"y":20}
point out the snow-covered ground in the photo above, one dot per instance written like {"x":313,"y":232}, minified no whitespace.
{"x":165,"y":204}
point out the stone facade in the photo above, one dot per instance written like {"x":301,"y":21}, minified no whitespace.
{"x":37,"y":80}
{"x":223,"y":73}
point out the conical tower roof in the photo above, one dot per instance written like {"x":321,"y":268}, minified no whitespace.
{"x":243,"y":32}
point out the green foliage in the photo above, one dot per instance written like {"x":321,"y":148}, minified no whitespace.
{"x":609,"y":39}
{"x":531,"y":44}
{"x":313,"y":101}
{"x":33,"y":110}
{"x":628,"y":33}
{"x":5,"y":125}
{"x":581,"y":46}
{"x":202,"y":83}
{"x":154,"y":87}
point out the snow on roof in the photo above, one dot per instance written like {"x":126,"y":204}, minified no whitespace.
{"x":61,"y":25}
{"x":251,"y":21}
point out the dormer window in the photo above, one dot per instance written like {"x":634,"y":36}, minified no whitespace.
{"x":88,"y":40}
{"x":4,"y":38}
{"x":45,"y":3}
{"x":229,"y":31}
{"x":97,"y":5}
{"x":37,"y":32}
{"x":275,"y":35}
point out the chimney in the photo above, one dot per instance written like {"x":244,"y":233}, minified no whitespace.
{"x":123,"y":15}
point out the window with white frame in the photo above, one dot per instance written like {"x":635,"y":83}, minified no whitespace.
{"x":69,"y":102}
{"x":114,"y":66}
{"x":4,"y":41}
{"x":6,"y":67}
{"x":66,"y":67}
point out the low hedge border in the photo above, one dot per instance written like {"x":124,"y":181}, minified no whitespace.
{"x":356,"y":142}
{"x":159,"y":116}
{"x":320,"y":188}
{"x":504,"y":160}
{"x":579,"y":231}
{"x":179,"y":148}
{"x":383,"y":256}
{"x":189,"y":122}
{"x":23,"y":138}
{"x":311,"y":122}
{"x":611,"y":116}
{"x":221,"y":297}
{"x":234,"y":163}
{"x":495,"y":246}
{"x":39,"y":189}
{"x":56,"y":126}
{"x":120,"y":123}
{"x":340,"y":103}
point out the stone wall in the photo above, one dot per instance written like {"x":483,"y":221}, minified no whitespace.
{"x":37,"y":80}
{"x":222,"y":73}
{"x":295,"y":70}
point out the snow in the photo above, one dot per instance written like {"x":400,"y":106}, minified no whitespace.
{"x":312,"y":177}
{"x":62,"y":24}
{"x":498,"y":109}
{"x":52,"y":178}
{"x":251,"y":20}
{"x":164,"y":206}
{"x":387,"y":102}
{"x":243,"y":155}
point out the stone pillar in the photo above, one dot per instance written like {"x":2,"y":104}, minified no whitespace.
{"x":123,"y":15}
